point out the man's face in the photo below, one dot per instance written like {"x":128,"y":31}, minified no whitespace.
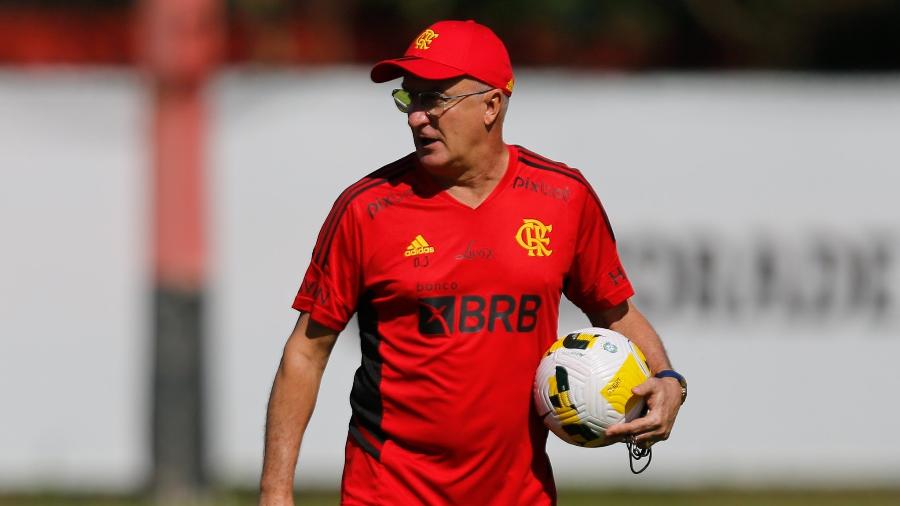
{"x":443,"y":135}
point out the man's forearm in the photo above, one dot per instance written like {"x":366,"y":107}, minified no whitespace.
{"x":663,"y":396}
{"x":291,"y":404}
{"x":628,"y":321}
{"x":290,"y":407}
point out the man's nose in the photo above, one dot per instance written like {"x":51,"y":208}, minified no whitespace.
{"x":417,"y":119}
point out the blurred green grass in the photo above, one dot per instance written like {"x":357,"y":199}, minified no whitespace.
{"x":566,"y":498}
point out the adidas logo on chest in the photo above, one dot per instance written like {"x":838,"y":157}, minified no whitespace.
{"x":419,"y":246}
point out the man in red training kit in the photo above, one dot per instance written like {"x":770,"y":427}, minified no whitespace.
{"x":454,"y":258}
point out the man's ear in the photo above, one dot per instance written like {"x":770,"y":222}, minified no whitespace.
{"x":494,"y":102}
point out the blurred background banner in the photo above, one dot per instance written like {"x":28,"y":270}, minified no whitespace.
{"x":819,"y":35}
{"x":745,"y":151}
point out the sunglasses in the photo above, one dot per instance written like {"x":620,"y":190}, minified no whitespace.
{"x":433,"y":103}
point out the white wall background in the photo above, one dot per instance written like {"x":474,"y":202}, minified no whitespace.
{"x":780,"y":394}
{"x":74,"y":374}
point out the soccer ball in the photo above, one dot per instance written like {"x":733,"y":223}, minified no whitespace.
{"x":583,"y":385}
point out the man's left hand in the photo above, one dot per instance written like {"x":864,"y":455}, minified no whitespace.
{"x":663,"y":398}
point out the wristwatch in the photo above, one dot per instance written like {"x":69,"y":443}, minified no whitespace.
{"x":669,"y":373}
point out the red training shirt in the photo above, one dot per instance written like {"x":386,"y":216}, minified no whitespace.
{"x":456,"y":307}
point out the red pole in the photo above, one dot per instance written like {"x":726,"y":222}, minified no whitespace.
{"x":182,"y":41}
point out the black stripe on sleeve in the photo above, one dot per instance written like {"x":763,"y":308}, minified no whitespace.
{"x":538,"y":162}
{"x":377,"y":178}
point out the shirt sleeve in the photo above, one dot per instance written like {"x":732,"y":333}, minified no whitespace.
{"x":596,"y":279}
{"x":331,"y":286}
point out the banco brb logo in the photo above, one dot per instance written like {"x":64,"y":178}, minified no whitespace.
{"x":532,"y":236}
{"x":467,"y":314}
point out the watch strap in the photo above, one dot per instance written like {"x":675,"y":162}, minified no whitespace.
{"x":669,"y":373}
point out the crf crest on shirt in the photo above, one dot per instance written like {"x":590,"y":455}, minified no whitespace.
{"x":456,"y":306}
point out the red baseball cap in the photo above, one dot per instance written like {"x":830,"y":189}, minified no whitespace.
{"x":450,"y":49}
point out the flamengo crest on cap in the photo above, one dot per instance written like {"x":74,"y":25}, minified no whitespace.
{"x":423,"y":41}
